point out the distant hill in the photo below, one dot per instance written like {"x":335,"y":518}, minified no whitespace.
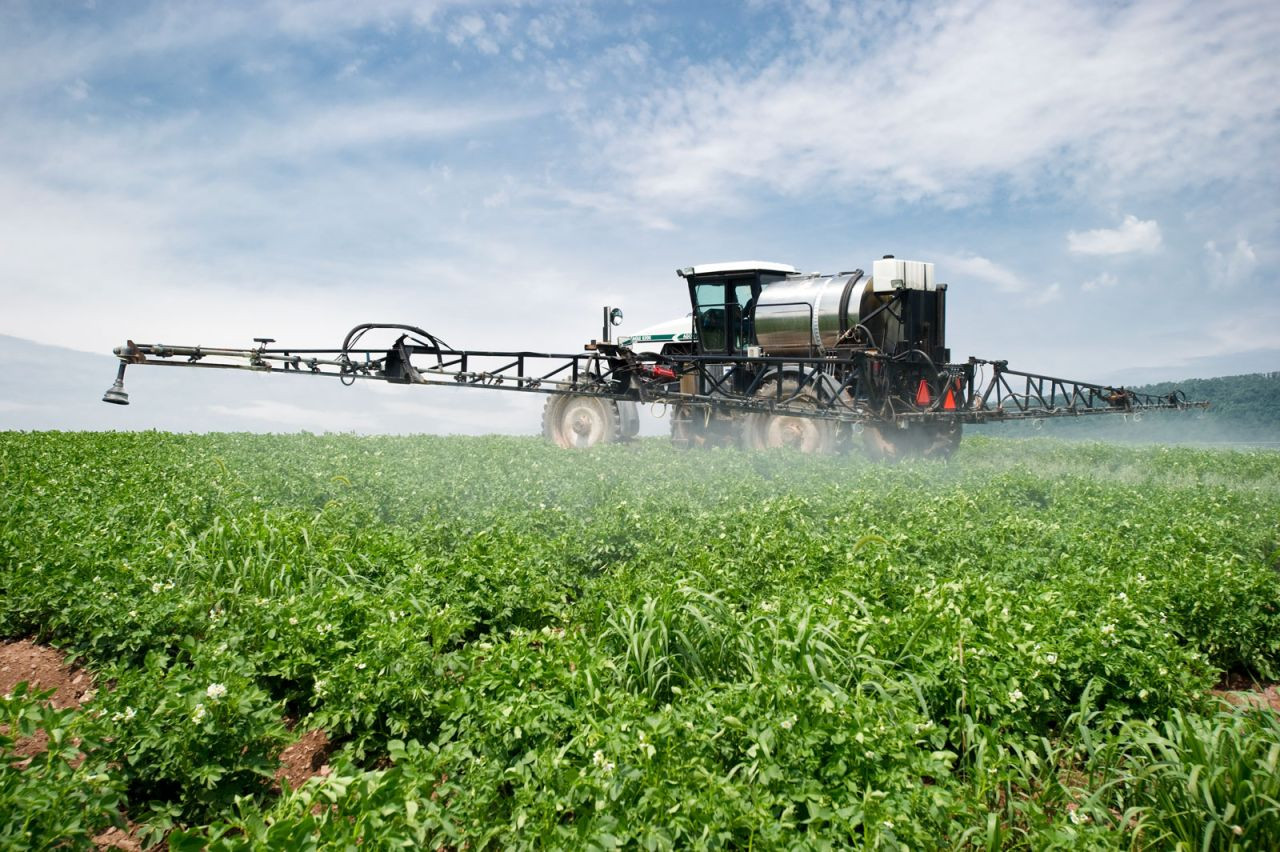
{"x":1242,"y":409}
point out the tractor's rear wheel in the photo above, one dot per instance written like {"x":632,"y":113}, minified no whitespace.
{"x":762,"y":431}
{"x":918,"y":440}
{"x":576,"y":422}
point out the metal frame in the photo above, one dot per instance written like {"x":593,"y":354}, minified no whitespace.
{"x":854,"y":385}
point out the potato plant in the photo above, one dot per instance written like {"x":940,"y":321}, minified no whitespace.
{"x":513,"y":645}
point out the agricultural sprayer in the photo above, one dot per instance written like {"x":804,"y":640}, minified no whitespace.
{"x":768,"y":357}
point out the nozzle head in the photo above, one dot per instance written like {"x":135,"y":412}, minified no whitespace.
{"x":116,"y":394}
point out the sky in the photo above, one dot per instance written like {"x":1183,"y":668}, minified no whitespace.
{"x":1096,"y":182}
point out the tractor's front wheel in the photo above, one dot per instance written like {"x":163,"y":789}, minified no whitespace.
{"x":576,"y":422}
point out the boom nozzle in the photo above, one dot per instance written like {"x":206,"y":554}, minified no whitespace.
{"x":116,"y":393}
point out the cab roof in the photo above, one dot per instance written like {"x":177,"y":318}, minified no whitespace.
{"x":735,"y":266}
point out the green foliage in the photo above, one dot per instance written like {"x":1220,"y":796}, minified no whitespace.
{"x":513,"y":645}
{"x":62,"y":794}
{"x":190,"y":733}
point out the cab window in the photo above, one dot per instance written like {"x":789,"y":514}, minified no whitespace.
{"x":713,"y":316}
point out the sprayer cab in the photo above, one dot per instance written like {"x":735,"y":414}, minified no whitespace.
{"x":724,"y":297}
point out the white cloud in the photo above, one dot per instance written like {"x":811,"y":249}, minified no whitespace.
{"x":983,"y":269}
{"x":1232,"y":267}
{"x":945,"y":103}
{"x":615,"y":206}
{"x":1049,"y":294}
{"x":1102,"y":281}
{"x":1243,"y":331}
{"x":472,"y":29}
{"x":973,"y":267}
{"x":1133,"y":235}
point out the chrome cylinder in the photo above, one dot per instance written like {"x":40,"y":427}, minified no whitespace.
{"x":803,"y":315}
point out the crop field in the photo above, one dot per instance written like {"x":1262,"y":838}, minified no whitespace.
{"x":511,"y":645}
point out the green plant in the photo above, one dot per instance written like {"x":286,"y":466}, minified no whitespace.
{"x":56,"y":786}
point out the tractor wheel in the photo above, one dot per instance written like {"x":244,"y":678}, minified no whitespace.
{"x":806,"y":434}
{"x":918,"y":440}
{"x":576,"y":422}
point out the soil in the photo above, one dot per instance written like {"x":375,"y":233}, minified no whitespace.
{"x":42,"y":668}
{"x":114,"y":838}
{"x":1241,"y":690}
{"x":307,"y":758}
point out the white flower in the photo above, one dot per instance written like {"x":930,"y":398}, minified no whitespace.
{"x":788,"y":722}
{"x":598,"y":760}
{"x":216,"y":691}
{"x":129,"y":713}
{"x":293,"y":620}
{"x":1143,"y":694}
{"x":1051,"y":658}
{"x":1108,"y":629}
{"x":157,"y":588}
{"x":1015,"y":696}
{"x":362,"y":665}
{"x":1122,"y":596}
{"x":198,"y":715}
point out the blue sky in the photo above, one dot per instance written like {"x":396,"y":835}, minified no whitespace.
{"x":1096,"y":182}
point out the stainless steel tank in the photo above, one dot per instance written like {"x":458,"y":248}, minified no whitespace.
{"x":797,"y":316}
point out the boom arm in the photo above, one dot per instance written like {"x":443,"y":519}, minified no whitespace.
{"x":857,"y":386}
